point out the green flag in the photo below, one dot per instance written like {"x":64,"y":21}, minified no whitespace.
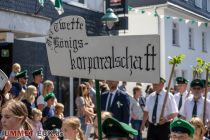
{"x":41,"y":2}
{"x":58,"y":6}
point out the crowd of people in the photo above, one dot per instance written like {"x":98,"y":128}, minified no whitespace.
{"x":33,"y":106}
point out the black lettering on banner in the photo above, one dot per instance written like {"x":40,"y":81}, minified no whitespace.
{"x":127,"y":61}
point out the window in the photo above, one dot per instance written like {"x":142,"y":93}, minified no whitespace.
{"x":184,"y":73}
{"x":208,"y":5}
{"x":198,"y":3}
{"x":80,"y":3}
{"x":175,"y":34}
{"x":190,"y":37}
{"x":204,"y":48}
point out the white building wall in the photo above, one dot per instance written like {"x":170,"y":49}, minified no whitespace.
{"x":183,"y":48}
{"x":142,"y":24}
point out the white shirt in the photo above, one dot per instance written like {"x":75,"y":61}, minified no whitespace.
{"x":188,"y":109}
{"x":170,"y":107}
{"x":184,"y":97}
{"x":40,"y":100}
{"x":136,"y":109}
{"x":113,"y":95}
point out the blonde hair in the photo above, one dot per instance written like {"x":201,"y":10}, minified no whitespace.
{"x":36,"y":111}
{"x":29,"y":95}
{"x":18,"y":109}
{"x":75,"y":124}
{"x":58,"y":106}
{"x":198,"y":124}
{"x":16,"y":66}
{"x":46,"y":85}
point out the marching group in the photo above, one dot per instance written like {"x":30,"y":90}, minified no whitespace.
{"x":34,"y":107}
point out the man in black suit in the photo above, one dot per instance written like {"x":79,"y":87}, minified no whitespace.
{"x":117,"y":102}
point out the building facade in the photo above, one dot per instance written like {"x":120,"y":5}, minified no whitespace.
{"x":183,"y":26}
{"x":25,"y":24}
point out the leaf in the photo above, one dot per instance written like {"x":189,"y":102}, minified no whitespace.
{"x":176,"y":59}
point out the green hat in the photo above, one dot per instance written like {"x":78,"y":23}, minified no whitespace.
{"x":22,"y":74}
{"x":53,"y":123}
{"x":197,"y":82}
{"x":204,"y":82}
{"x":162,"y":80}
{"x":49,"y":96}
{"x":112,"y":128}
{"x":182,"y":126}
{"x":37,"y":72}
{"x":181,"y":80}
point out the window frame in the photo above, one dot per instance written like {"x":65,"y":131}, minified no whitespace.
{"x":204,"y":42}
{"x":199,"y":3}
{"x":191,"y":38}
{"x":175,"y":36}
{"x":77,"y":3}
{"x":208,"y":6}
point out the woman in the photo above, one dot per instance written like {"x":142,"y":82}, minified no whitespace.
{"x":82,"y":110}
{"x":71,"y":129}
{"x":199,"y":129}
{"x":48,"y":87}
{"x":4,"y":94}
{"x":29,"y":99}
{"x":88,"y":103}
{"x":15,"y":117}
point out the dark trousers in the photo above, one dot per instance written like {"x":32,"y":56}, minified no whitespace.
{"x":158,"y":132}
{"x":136,"y":124}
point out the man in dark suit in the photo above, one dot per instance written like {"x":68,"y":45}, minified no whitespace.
{"x":117,"y":102}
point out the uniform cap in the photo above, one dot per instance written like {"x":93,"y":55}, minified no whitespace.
{"x":49,"y":96}
{"x":22,"y":74}
{"x":162,"y":80}
{"x":197,"y":82}
{"x":112,"y":128}
{"x":182,"y":126}
{"x":37,"y":72}
{"x":52,"y":123}
{"x":181,"y":80}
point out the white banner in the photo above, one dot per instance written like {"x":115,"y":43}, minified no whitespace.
{"x":3,"y":79}
{"x":72,"y":53}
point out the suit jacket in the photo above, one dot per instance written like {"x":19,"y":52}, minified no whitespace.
{"x":120,"y":107}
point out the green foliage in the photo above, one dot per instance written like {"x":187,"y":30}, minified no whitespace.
{"x":207,"y":66}
{"x":176,"y":59}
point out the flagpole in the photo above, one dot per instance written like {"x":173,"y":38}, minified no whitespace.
{"x":206,"y":90}
{"x":98,"y":103}
{"x":167,"y":92}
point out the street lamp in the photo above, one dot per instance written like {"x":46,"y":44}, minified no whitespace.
{"x":109,"y":18}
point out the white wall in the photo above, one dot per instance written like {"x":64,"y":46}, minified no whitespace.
{"x":144,"y":24}
{"x":183,"y":47}
{"x":141,"y":24}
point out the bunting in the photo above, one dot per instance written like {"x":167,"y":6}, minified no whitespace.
{"x":180,"y":19}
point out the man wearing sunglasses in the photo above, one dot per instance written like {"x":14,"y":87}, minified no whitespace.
{"x":22,"y":78}
{"x":193,"y":107}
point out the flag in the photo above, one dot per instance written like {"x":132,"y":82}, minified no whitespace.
{"x":58,"y":6}
{"x":41,"y":2}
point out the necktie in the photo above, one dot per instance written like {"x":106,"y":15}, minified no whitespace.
{"x":180,"y":102}
{"x":194,"y":113}
{"x":109,"y":102}
{"x":155,"y":109}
